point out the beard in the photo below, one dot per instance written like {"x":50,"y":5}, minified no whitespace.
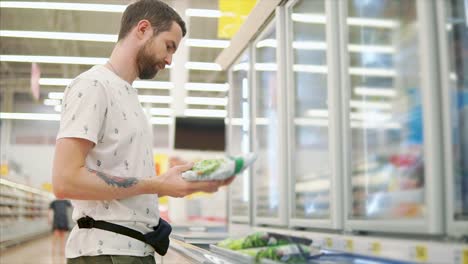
{"x":146,"y":62}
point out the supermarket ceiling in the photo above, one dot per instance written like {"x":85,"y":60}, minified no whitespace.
{"x":18,"y":25}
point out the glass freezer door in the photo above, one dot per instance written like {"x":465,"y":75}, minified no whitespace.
{"x":388,"y":87}
{"x":268,"y":176}
{"x":454,"y":57}
{"x":309,"y":115}
{"x":239,"y":137}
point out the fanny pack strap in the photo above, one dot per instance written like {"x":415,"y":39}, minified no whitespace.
{"x":88,"y":222}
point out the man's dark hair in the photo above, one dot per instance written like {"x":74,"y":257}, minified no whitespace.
{"x":159,"y":14}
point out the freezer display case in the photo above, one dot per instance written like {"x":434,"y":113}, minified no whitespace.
{"x":394,"y":167}
{"x":239,"y":135}
{"x":309,"y":116}
{"x":453,"y":25}
{"x":268,"y":171}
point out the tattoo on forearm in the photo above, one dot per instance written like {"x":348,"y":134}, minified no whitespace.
{"x":116,"y":181}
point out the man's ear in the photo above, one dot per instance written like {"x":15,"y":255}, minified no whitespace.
{"x":143,"y":28}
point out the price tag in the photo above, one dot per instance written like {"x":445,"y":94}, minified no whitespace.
{"x":329,"y":242}
{"x":349,"y":245}
{"x":465,"y":256}
{"x":375,"y":248}
{"x":420,"y":253}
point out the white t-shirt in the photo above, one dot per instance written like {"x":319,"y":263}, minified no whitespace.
{"x":102,"y":108}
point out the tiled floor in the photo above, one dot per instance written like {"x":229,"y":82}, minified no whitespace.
{"x":39,"y":251}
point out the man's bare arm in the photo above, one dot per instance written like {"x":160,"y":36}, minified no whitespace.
{"x":72,"y":180}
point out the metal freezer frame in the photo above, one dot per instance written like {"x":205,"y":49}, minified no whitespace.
{"x":276,"y":19}
{"x":432,"y":223}
{"x":237,"y":218}
{"x":335,"y":221}
{"x":454,"y":228}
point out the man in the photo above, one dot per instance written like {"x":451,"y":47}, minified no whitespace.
{"x":58,"y":218}
{"x":103,"y":156}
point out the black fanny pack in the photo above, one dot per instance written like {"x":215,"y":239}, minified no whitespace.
{"x":158,"y":239}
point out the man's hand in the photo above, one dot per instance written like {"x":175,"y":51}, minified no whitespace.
{"x":172,"y":183}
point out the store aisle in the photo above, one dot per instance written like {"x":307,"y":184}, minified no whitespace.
{"x":37,"y":251}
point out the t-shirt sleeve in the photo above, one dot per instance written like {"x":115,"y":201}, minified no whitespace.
{"x":51,"y":205}
{"x":84,"y":107}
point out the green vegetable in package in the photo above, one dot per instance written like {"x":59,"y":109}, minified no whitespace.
{"x":259,"y":239}
{"x":207,"y":166}
{"x":219,"y":169}
{"x":292,"y":253}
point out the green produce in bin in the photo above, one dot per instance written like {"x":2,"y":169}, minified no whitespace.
{"x":259,"y":239}
{"x":292,"y":253}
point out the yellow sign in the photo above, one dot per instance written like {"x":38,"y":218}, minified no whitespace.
{"x":233,"y":15}
{"x":329,"y":242}
{"x":349,"y":245}
{"x":161,"y":163}
{"x":465,"y":256}
{"x":421,"y":253}
{"x":375,"y":248}
{"x":47,"y":186}
{"x":4,"y":170}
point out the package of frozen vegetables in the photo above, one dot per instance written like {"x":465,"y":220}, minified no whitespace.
{"x":291,"y":253}
{"x":259,"y":239}
{"x":218,"y":169}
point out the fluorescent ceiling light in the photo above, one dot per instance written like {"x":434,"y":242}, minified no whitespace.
{"x":351,"y":21}
{"x":207,"y":87}
{"x":54,"y":59}
{"x":206,"y":101}
{"x":207,"y":43}
{"x":160,"y":111}
{"x":155,"y":99}
{"x":30,"y":116}
{"x":261,"y":121}
{"x":51,"y":102}
{"x":237,"y":121}
{"x":59,"y":35}
{"x":161,"y":120}
{"x":203,"y":66}
{"x":375,"y":125}
{"x":64,"y":6}
{"x":368,"y":91}
{"x":243,"y":66}
{"x":192,"y":12}
{"x":310,"y":68}
{"x":266,"y":67}
{"x":308,"y":18}
{"x":372,"y":22}
{"x":372,"y":72}
{"x":153,"y":85}
{"x":371,"y":48}
{"x":370,"y":105}
{"x":57,"y":96}
{"x":136,"y":84}
{"x":317,"y":113}
{"x":309,"y":45}
{"x":311,"y":122}
{"x":371,"y":116}
{"x":271,"y":43}
{"x":205,"y":112}
{"x":55,"y":81}
{"x":58,"y":108}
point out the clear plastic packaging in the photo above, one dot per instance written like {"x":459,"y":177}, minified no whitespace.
{"x":219,"y":169}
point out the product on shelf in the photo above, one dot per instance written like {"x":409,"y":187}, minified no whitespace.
{"x":291,"y":253}
{"x":219,"y":169}
{"x":259,"y":239}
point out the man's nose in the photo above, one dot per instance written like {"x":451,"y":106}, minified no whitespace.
{"x":168,"y":59}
